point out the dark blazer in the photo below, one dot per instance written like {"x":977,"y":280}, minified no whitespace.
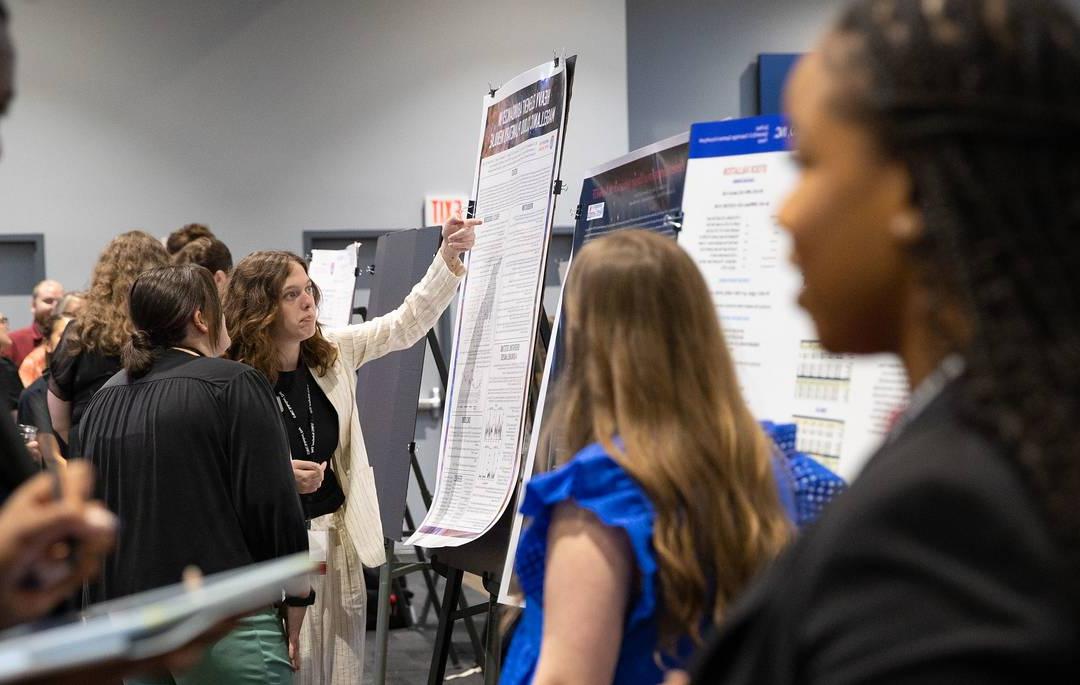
{"x":935,"y":567}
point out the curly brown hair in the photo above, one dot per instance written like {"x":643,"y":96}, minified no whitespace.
{"x":103,"y":324}
{"x":252,"y":302}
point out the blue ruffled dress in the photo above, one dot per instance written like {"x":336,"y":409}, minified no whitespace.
{"x":596,"y":482}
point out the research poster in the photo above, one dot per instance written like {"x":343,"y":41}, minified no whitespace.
{"x":738,"y":174}
{"x":498,"y":308}
{"x":643,"y":189}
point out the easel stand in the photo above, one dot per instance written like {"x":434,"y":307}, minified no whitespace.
{"x":393,"y":568}
{"x":452,"y":596}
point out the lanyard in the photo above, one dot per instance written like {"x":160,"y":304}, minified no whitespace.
{"x":309,"y":450}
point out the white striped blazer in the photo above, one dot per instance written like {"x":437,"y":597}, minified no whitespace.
{"x":356,"y":345}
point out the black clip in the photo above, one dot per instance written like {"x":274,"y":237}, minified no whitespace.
{"x":555,"y":58}
{"x":557,"y":186}
{"x":577,"y":212}
{"x":674,"y":220}
{"x":371,"y":269}
{"x":470,"y":212}
{"x":492,"y":89}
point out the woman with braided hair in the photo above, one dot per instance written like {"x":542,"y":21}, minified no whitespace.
{"x":938,"y":217}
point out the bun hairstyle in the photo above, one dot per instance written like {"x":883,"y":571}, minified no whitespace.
{"x":206,"y":251}
{"x":162,"y":302}
{"x":182,"y":236}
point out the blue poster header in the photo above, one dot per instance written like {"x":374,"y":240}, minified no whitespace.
{"x":739,"y":137}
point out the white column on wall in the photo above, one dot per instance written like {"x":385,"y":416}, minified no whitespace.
{"x":263,"y":118}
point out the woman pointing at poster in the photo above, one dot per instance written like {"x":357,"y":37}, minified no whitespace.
{"x":271,"y":309}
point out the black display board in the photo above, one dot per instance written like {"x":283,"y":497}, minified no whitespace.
{"x":388,"y":388}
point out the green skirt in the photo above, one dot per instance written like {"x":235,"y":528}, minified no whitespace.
{"x":254,"y":652}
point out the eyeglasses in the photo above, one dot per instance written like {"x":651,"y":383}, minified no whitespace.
{"x":3,"y":320}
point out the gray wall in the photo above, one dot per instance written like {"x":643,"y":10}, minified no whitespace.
{"x":263,"y":118}
{"x":688,"y":60}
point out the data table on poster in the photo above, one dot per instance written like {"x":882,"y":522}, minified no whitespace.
{"x":738,"y":174}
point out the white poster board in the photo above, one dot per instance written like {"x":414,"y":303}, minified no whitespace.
{"x":738,"y":174}
{"x":334,"y":271}
{"x":498,"y":308}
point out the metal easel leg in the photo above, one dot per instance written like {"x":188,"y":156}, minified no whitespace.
{"x":382,"y":620}
{"x":445,"y":632}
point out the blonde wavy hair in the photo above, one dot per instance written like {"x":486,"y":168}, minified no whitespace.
{"x":252,"y":303}
{"x":103,"y":324}
{"x":649,"y":377}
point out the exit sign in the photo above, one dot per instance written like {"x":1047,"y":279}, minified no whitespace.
{"x":439,"y":208}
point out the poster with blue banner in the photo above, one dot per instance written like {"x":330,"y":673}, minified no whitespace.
{"x":738,"y":176}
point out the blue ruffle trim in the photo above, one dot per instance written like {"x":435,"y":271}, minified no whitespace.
{"x":596,"y":482}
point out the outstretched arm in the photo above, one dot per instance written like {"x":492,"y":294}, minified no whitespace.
{"x":403,"y":327}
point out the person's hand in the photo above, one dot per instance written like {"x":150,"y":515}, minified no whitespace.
{"x":459,"y":235}
{"x":50,"y":451}
{"x":294,"y":618}
{"x":308,"y":475}
{"x":50,"y":546}
{"x":35,"y":451}
{"x":676,"y":677}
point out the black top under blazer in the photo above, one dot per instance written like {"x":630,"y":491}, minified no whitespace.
{"x":935,"y":567}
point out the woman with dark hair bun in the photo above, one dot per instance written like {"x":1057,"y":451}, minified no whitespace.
{"x":938,"y":217}
{"x":190,"y":453}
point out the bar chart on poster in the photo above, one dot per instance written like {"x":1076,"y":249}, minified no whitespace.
{"x":738,"y":174}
